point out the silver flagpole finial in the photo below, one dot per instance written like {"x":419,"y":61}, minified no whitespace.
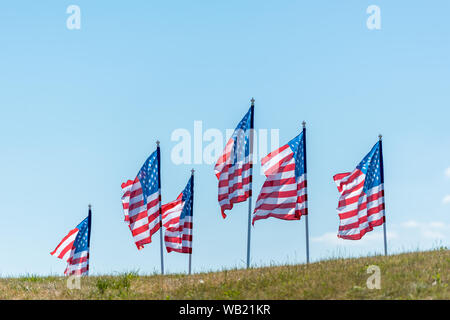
{"x":380,"y":136}
{"x":157,"y":143}
{"x":253,"y":102}
{"x":90,"y":207}
{"x":304,"y":124}
{"x":192,"y":172}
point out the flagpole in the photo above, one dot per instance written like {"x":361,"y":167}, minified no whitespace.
{"x":90,"y":229}
{"x":192,"y":221}
{"x":306,"y":216}
{"x":382,"y":181}
{"x":160,"y":210}
{"x":251,"y":181}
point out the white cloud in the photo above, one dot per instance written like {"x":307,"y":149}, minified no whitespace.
{"x":430,"y":230}
{"x":373,"y":236}
{"x":410,"y":224}
{"x":328,"y":237}
{"x":447,"y":172}
{"x":437,"y":225}
{"x":446,"y":199}
{"x":432,"y":234}
{"x":403,"y":235}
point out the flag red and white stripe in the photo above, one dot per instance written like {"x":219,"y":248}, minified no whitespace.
{"x":284,"y":193}
{"x":233,"y":169}
{"x":361,"y":202}
{"x":78,"y":263}
{"x":143,"y":219}
{"x":64,"y":248}
{"x":141,"y":201}
{"x":177,"y":219}
{"x":74,"y":248}
{"x":178,"y":234}
{"x":359,"y":212}
{"x":234,"y":183}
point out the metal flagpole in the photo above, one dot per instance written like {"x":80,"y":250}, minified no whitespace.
{"x":160,"y":210}
{"x":382,"y":181}
{"x":251,"y":181}
{"x":192,"y":219}
{"x":90,"y":229}
{"x":306,"y":216}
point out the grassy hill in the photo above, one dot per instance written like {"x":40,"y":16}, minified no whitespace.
{"x":417,"y":275}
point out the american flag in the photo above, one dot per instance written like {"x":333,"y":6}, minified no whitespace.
{"x":177,"y":219}
{"x":142,"y":201}
{"x":234,"y":166}
{"x":361,"y":204}
{"x":284,"y":193}
{"x":74,"y":248}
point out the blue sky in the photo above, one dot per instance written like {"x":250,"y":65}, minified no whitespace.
{"x":80,"y":111}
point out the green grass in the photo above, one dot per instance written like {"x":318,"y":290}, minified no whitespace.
{"x":416,"y":275}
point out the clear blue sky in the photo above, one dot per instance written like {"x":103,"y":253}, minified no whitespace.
{"x":80,"y":111}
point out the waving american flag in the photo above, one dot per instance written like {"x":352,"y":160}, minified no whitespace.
{"x":177,"y":219}
{"x":361,"y":204}
{"x":234,"y":166}
{"x":74,"y":248}
{"x":142,"y":201}
{"x":284,"y":193}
